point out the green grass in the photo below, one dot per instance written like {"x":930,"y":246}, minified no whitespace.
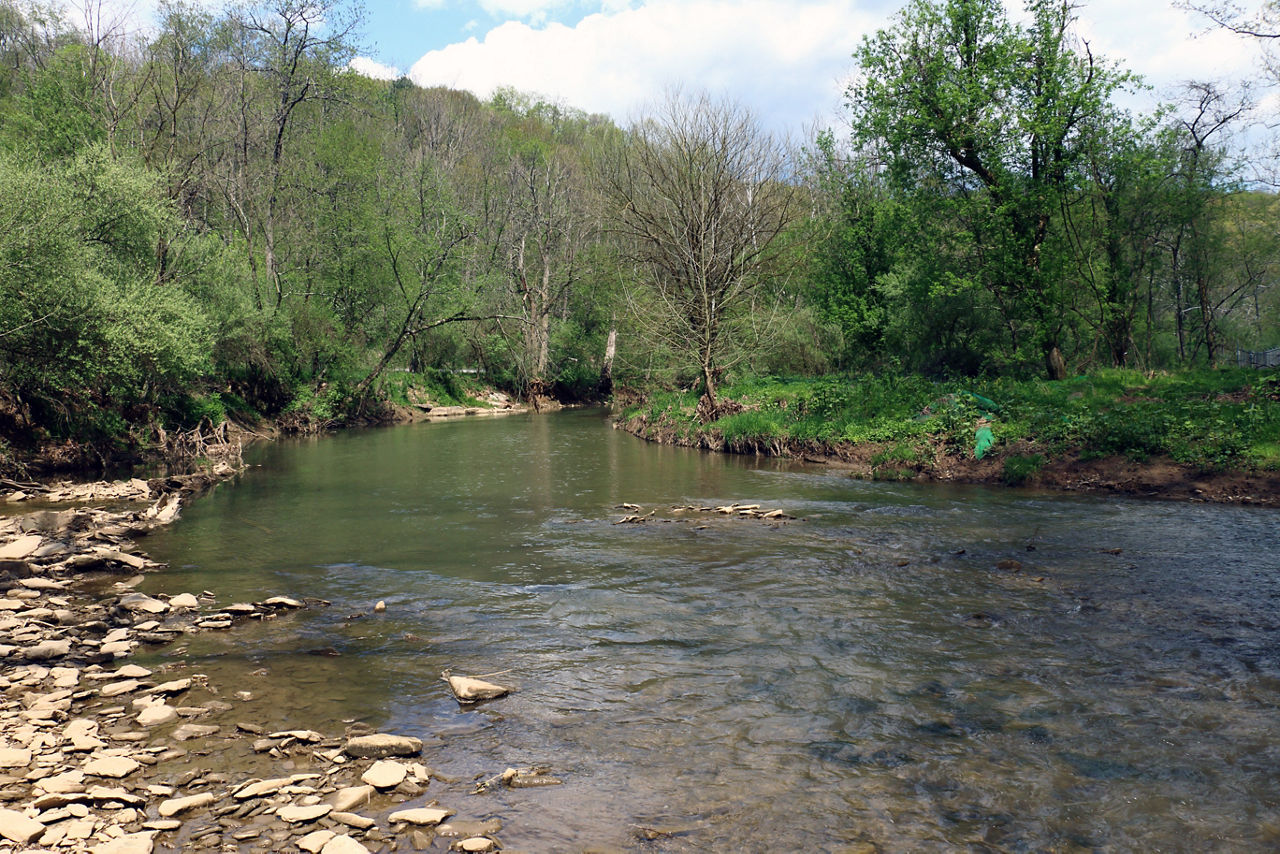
{"x":1223,"y":419}
{"x":443,"y":388}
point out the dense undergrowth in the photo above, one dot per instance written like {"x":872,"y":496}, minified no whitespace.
{"x":1223,"y":419}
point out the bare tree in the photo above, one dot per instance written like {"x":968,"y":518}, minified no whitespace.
{"x":704,"y":201}
{"x":294,"y":45}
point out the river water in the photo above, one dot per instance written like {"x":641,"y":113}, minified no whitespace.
{"x":874,"y":672}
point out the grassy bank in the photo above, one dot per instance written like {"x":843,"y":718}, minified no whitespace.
{"x":175,"y":432}
{"x":902,"y":427}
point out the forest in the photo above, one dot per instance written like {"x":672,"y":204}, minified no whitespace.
{"x":215,"y":217}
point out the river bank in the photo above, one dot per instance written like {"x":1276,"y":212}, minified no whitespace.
{"x":1205,"y":437}
{"x":101,"y":755}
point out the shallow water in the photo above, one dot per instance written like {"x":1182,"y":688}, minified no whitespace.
{"x":863,"y":674}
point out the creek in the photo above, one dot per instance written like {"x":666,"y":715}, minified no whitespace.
{"x":914,"y":667}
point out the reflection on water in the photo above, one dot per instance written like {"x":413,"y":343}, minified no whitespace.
{"x":867,"y":674}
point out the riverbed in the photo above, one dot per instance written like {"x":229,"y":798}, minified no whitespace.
{"x":897,"y":668}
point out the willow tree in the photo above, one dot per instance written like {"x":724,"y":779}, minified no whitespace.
{"x":703,"y":200}
{"x":999,"y":115}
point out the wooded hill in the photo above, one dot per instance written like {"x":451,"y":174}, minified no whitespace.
{"x":217,"y":215}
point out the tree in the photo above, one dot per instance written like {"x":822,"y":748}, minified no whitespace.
{"x":998,"y":115}
{"x":703,"y":200}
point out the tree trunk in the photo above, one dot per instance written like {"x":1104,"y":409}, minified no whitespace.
{"x":606,"y":367}
{"x":707,"y":403}
{"x":1055,"y":365}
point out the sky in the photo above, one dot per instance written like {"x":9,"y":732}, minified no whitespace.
{"x":788,"y":60}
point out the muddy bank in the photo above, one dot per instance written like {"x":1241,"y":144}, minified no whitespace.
{"x":101,"y":755}
{"x":1157,"y":477}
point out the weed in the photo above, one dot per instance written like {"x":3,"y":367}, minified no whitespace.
{"x":1019,"y":469}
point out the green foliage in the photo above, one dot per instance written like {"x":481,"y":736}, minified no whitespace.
{"x":1019,"y":469}
{"x":1214,"y":419}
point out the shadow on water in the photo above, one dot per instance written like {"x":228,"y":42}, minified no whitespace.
{"x":880,"y":670}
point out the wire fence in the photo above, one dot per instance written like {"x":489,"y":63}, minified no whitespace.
{"x":1258,"y":358}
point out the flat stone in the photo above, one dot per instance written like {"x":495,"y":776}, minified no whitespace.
{"x":18,"y":827}
{"x":186,"y":732}
{"x":21,"y":547}
{"x":464,"y":829}
{"x":83,"y":735}
{"x":345,"y":800}
{"x":64,"y":783}
{"x":43,"y":584}
{"x":103,"y":794}
{"x":111,"y":766}
{"x":283,"y":602}
{"x":65,"y":677}
{"x":262,"y":788}
{"x":350,"y":819}
{"x":177,"y":806}
{"x":429,"y":816}
{"x":142,"y":603}
{"x":310,"y":736}
{"x":46,"y":650}
{"x":130,"y":843}
{"x":184,"y":602}
{"x":157,"y":714}
{"x":315,"y":840}
{"x":296,"y":814}
{"x":14,"y":757}
{"x":115,"y":689}
{"x":475,"y":844}
{"x":162,"y":824}
{"x":382,"y":745}
{"x":343,"y":845}
{"x":133,"y":671}
{"x":117,"y":649}
{"x":385,"y":774}
{"x":176,"y":686}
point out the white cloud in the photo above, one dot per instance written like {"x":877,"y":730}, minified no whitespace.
{"x":372,"y":68}
{"x":783,"y":59}
{"x":786,"y":59}
{"x":1165,"y":44}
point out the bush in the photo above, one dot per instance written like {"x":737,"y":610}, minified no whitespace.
{"x":1018,"y":469}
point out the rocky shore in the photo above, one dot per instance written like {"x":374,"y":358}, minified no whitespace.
{"x":101,"y":755}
